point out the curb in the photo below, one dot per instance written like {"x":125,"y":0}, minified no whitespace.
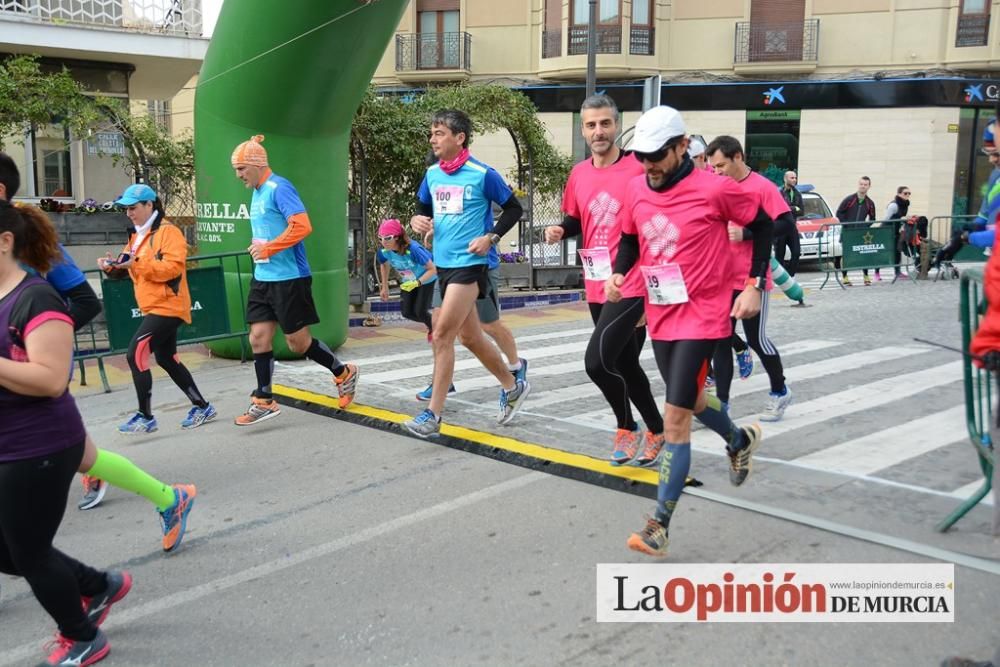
{"x":579,"y":467}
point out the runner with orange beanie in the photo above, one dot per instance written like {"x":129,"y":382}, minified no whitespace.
{"x":281,"y":287}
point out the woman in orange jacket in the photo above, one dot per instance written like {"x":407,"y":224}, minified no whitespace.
{"x":155,"y":258}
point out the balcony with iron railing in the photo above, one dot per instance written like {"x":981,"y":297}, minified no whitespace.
{"x":440,"y":55}
{"x":551,"y":43}
{"x":623,"y":51}
{"x":609,"y":39}
{"x":172,"y":17}
{"x":792,"y":46}
{"x":972,"y":30}
{"x":642,"y":40}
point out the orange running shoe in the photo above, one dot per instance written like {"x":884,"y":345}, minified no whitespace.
{"x":651,"y":540}
{"x":174,"y":518}
{"x":626,"y":446}
{"x":654,"y":443}
{"x":347,"y":383}
{"x":260,"y":409}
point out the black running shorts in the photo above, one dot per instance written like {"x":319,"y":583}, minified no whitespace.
{"x":477,"y":274}
{"x":683,"y":366}
{"x":287,"y":302}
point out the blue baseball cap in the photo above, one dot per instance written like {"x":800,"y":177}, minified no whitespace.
{"x":136,"y":193}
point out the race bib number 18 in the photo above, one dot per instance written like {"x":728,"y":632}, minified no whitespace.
{"x":448,"y":199}
{"x":665,"y":284}
{"x":596,"y":264}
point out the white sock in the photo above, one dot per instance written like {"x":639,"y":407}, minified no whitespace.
{"x":513,"y":368}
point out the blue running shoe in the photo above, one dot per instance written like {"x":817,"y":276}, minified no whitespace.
{"x":745,"y":360}
{"x":197,"y":416}
{"x":511,"y":401}
{"x":425,"y":395}
{"x":174,"y":518}
{"x":522,"y":373}
{"x":138,"y":424}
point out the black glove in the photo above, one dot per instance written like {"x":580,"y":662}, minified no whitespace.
{"x":991,"y":361}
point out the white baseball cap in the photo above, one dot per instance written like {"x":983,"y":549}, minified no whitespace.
{"x":655,"y":128}
{"x":696,"y":148}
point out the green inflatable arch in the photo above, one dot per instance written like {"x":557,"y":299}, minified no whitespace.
{"x":294,"y":72}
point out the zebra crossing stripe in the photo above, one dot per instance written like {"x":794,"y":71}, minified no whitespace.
{"x":425,"y":370}
{"x":856,"y":399}
{"x":422,"y":354}
{"x":967,"y":490}
{"x":888,"y":447}
{"x":587,"y":389}
{"x":811,"y":371}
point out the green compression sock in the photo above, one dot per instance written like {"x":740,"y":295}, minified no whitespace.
{"x":118,"y":471}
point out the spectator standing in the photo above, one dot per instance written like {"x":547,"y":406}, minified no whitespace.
{"x":857,"y":207}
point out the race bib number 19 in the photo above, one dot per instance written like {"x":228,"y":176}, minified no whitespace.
{"x":596,"y":264}
{"x":448,"y":199}
{"x":665,"y":284}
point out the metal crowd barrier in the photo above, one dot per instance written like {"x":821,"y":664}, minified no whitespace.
{"x":978,"y":394}
{"x":210,"y":277}
{"x":850,"y":246}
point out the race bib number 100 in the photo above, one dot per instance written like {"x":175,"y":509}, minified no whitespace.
{"x":665,"y":284}
{"x":596,"y":264}
{"x":448,"y":199}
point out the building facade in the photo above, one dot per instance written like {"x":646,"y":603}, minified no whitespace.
{"x":142,"y":51}
{"x":897,"y":90}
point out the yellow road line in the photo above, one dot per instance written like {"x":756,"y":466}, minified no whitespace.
{"x":540,"y":452}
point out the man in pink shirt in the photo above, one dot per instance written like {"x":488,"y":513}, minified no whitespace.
{"x":725,"y":154}
{"x":674,"y":222}
{"x":592,"y":202}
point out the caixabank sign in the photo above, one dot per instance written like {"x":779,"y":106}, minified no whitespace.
{"x":776,"y":95}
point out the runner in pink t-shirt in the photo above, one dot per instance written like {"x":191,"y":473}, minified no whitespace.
{"x":674,"y":224}
{"x":592,"y":202}
{"x":725,"y":154}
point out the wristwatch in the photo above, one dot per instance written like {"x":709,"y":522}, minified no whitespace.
{"x":494,"y":238}
{"x":758,"y":283}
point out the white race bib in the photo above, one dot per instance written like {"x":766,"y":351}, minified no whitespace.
{"x":406,"y":275}
{"x":448,"y":199}
{"x":266,"y":260}
{"x":665,"y":284}
{"x":596,"y":264}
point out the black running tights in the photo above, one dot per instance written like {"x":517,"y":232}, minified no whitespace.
{"x":755,"y":329}
{"x":157,"y":335}
{"x":612,"y":362}
{"x":415,"y":305}
{"x":33,"y":495}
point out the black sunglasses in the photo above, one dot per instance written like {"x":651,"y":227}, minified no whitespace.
{"x":655,"y":156}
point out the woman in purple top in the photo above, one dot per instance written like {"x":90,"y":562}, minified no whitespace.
{"x":42,"y":444}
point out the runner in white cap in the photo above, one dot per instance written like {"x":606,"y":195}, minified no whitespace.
{"x":674,"y":224}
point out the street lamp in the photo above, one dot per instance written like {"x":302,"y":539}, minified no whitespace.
{"x":592,"y":49}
